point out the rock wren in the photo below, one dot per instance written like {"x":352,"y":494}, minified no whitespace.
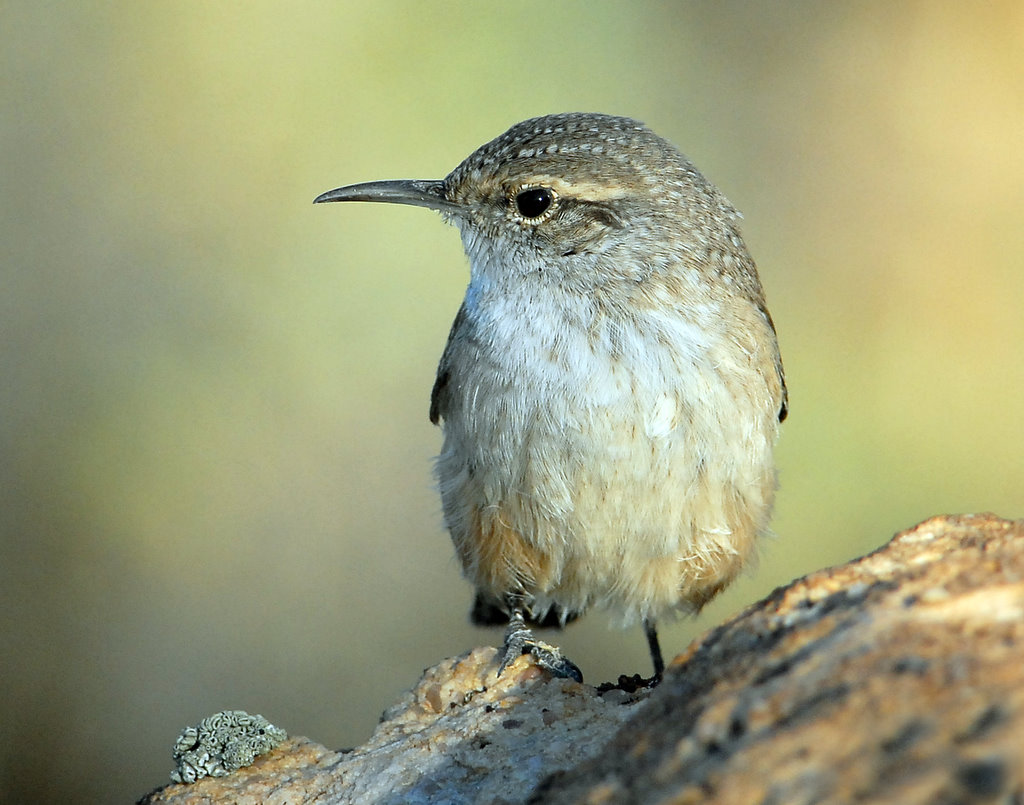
{"x":612,"y":388}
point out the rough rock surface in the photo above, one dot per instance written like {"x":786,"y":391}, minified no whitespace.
{"x":897,"y":678}
{"x":461,"y":735}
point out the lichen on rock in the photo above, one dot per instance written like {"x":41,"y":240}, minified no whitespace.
{"x":222,"y":743}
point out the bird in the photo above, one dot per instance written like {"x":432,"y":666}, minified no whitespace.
{"x":611,"y":389}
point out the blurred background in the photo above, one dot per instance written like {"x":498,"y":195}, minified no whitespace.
{"x":216,"y":483}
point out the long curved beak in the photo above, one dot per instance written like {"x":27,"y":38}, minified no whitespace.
{"x":415,"y":192}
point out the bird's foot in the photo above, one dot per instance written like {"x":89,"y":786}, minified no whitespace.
{"x":519,"y":640}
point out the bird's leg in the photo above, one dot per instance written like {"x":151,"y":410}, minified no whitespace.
{"x":520,"y":640}
{"x":517,"y":639}
{"x":651,"y":630}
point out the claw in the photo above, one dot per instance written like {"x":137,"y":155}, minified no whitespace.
{"x":552,"y":659}
{"x":519,"y":640}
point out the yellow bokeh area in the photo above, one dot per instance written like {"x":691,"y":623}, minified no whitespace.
{"x":216,"y":484}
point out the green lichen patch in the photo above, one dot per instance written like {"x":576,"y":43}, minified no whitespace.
{"x":223,"y":742}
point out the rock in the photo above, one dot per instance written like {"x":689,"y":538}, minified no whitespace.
{"x":897,"y":678}
{"x":459,"y":730}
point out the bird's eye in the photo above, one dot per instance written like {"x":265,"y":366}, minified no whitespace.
{"x":534,"y":201}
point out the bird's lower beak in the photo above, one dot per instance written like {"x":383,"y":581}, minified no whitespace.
{"x":415,"y":192}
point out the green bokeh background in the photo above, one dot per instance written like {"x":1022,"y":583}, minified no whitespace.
{"x":216,"y":459}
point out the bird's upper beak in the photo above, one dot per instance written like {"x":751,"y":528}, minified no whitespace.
{"x":416,"y":192}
